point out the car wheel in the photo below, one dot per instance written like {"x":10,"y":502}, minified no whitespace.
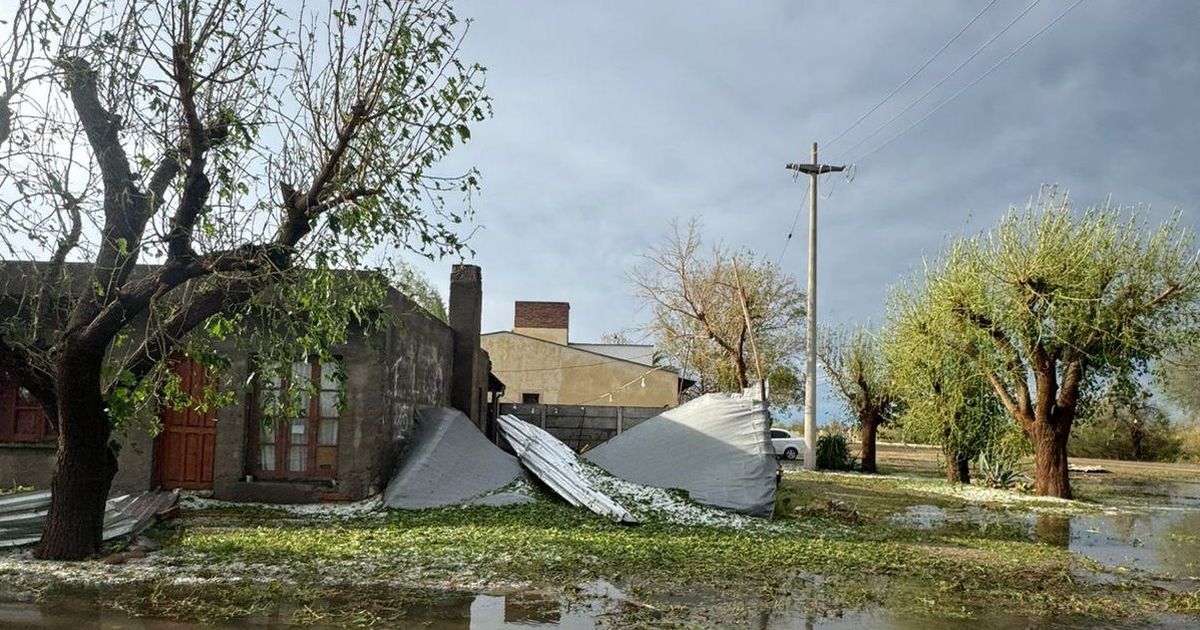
{"x":791,"y":453}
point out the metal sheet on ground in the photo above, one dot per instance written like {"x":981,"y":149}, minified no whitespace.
{"x":557,"y":466}
{"x":450,"y":462}
{"x":23,"y":515}
{"x":716,"y":447}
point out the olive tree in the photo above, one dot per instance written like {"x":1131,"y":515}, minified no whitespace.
{"x":186,"y":169}
{"x":861,"y":377}
{"x":696,"y":316}
{"x":1051,"y":304}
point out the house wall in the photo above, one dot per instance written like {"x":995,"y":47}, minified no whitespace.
{"x":389,"y":375}
{"x":26,"y":465}
{"x":564,"y":375}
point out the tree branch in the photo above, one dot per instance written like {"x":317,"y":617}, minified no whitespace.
{"x":24,"y":369}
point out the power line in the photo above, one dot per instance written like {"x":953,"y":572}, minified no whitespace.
{"x":913,"y":75}
{"x":791,"y":231}
{"x":972,"y":83}
{"x":939,"y":84}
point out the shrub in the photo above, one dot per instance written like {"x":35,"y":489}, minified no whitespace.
{"x":1189,"y":444}
{"x":833,"y":453}
{"x":1110,"y":437}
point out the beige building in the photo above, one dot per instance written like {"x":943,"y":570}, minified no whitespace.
{"x":538,"y":364}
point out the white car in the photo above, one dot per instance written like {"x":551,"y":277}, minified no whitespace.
{"x":786,"y":445}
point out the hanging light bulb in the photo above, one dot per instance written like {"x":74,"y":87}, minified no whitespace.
{"x":643,"y":382}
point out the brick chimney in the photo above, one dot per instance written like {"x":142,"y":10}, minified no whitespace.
{"x":544,"y":320}
{"x":466,"y":312}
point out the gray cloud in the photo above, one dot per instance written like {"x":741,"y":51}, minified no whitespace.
{"x":613,"y":118}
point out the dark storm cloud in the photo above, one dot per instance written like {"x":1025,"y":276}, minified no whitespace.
{"x":613,"y":118}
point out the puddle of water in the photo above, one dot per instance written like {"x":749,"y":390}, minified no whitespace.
{"x":993,"y":621}
{"x":1162,"y":536}
{"x":539,"y":611}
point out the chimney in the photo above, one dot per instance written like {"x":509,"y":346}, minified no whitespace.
{"x":544,"y":320}
{"x":466,"y":311}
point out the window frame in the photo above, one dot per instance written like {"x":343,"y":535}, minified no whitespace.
{"x":13,"y":400}
{"x":313,"y":423}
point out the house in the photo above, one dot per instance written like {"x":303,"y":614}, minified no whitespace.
{"x":333,"y":451}
{"x":540,"y":364}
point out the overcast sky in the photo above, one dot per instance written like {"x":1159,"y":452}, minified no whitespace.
{"x":613,"y":118}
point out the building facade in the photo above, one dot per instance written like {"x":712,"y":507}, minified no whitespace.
{"x":540,"y":365}
{"x":344,"y":443}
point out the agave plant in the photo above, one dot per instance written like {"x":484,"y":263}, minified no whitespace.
{"x":997,"y":472}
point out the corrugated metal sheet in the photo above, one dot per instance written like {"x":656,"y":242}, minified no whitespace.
{"x":22,"y":516}
{"x":557,"y":466}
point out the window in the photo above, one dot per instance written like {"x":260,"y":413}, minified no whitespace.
{"x":530,"y":398}
{"x":777,"y":433}
{"x":21,"y":416}
{"x":305,"y":445}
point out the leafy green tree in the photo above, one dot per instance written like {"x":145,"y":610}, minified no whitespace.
{"x":1178,"y":376}
{"x":205,"y":170}
{"x":1123,"y":423}
{"x":697,"y":321}
{"x":410,"y":281}
{"x":1051,"y":305}
{"x":854,"y":362}
{"x":943,"y":399}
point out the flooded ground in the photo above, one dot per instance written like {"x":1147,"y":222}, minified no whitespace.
{"x":1149,"y":526}
{"x":533,"y":611}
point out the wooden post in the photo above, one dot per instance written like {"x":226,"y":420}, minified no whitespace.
{"x":620,"y":419}
{"x":542,"y":411}
{"x":762,"y":383}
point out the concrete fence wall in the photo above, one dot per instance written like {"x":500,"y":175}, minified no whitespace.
{"x":582,"y":426}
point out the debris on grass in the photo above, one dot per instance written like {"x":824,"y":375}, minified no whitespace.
{"x":327,"y":510}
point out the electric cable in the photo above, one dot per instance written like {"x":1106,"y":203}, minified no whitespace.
{"x":912,"y":76}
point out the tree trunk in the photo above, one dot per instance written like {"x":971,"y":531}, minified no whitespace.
{"x":85,"y":466}
{"x":1050,"y":458}
{"x":869,"y":424}
{"x":958,"y":468}
{"x":1136,"y":436}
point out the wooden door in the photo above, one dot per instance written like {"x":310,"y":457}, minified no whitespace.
{"x":186,"y":448}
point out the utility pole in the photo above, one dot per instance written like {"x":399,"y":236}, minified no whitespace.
{"x":813,"y":170}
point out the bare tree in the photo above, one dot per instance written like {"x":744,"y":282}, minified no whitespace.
{"x":188,"y":168}
{"x":696,"y":312}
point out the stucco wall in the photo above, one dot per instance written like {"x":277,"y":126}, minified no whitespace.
{"x":562,"y":375}
{"x":27,"y":465}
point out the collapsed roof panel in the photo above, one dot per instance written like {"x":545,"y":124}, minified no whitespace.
{"x":716,"y":447}
{"x":448,"y":462}
{"x":23,"y":515}
{"x":557,"y":466}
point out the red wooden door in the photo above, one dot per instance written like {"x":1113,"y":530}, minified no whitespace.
{"x":187,"y":445}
